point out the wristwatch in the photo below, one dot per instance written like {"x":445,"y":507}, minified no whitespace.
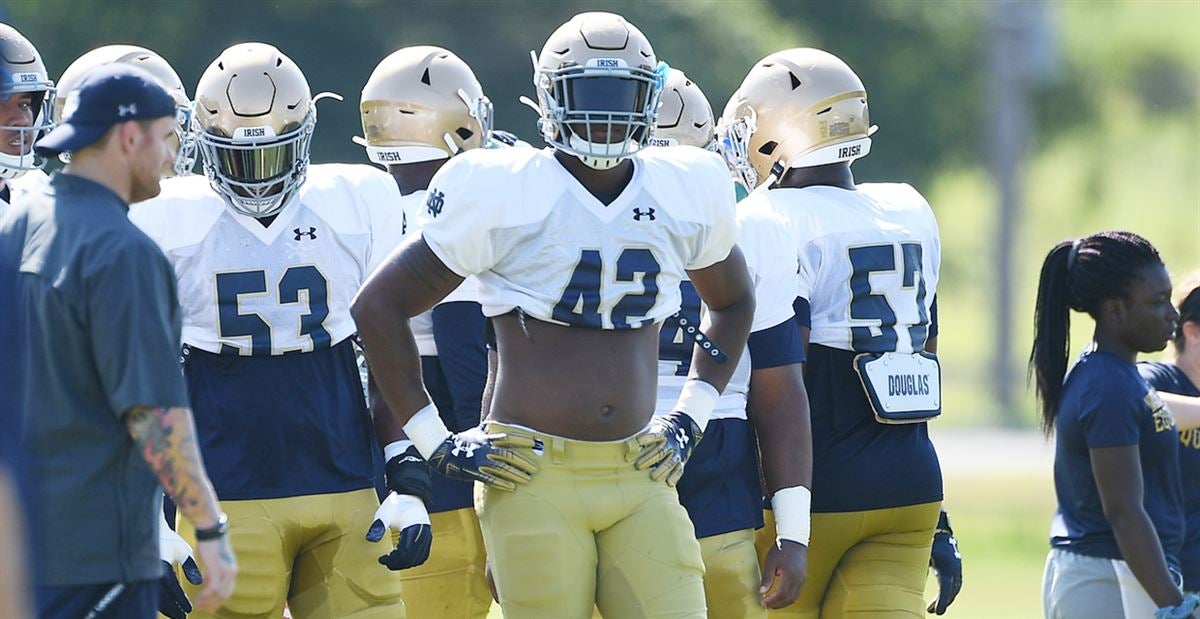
{"x":215,"y":531}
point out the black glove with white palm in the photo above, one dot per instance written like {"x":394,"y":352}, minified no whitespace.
{"x":173,"y":550}
{"x":473,"y":455}
{"x":406,"y":508}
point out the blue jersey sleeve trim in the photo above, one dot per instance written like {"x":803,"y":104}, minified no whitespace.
{"x":803,"y":312}
{"x":933,"y":318}
{"x":779,"y":345}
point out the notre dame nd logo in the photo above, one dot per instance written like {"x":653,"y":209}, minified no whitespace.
{"x":434,"y":202}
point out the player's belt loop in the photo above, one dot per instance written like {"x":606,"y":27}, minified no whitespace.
{"x":558,"y":450}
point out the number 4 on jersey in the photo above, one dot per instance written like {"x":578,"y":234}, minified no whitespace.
{"x":580,"y":304}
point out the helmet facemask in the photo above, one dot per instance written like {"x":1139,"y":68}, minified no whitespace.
{"x":733,"y":142}
{"x":601,"y":112}
{"x":256,"y":171}
{"x":42,"y":95}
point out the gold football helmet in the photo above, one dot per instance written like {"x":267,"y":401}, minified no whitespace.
{"x":598,"y":84}
{"x":157,"y":66}
{"x":22,"y":71}
{"x":685,"y":117}
{"x":253,"y":119}
{"x":796,"y":108}
{"x":423,"y":103}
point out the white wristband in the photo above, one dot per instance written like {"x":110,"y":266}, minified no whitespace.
{"x":793,"y":520}
{"x":395,"y":448}
{"x":697,"y":400}
{"x":426,"y":430}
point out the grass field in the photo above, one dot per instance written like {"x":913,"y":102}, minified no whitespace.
{"x":1000,"y":498}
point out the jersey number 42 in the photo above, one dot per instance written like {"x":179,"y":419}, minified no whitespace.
{"x":580,"y":303}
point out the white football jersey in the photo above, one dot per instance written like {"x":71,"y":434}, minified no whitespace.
{"x":771,"y":261}
{"x":422,"y":324}
{"x":868,"y":263}
{"x":33,"y":180}
{"x":539,"y":241}
{"x":253,"y":290}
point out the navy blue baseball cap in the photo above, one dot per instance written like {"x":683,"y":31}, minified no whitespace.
{"x":109,"y":94}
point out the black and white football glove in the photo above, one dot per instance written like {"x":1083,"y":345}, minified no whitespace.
{"x":173,"y":550}
{"x":947,"y":563}
{"x":474,"y":455}
{"x":405,"y":510}
{"x":666,"y":447}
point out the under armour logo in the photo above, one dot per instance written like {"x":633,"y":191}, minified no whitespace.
{"x":311,"y":234}
{"x":682,"y":437}
{"x":638,"y":213}
{"x":435,"y":202}
{"x":462,"y":446}
{"x":126,"y":110}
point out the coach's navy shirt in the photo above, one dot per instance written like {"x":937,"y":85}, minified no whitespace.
{"x":1168,"y":378}
{"x":99,"y":334}
{"x":1106,"y":403}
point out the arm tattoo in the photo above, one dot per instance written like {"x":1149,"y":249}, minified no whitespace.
{"x":167,"y":441}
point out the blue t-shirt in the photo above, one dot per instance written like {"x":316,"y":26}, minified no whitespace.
{"x":1168,"y":378}
{"x":1106,"y":403}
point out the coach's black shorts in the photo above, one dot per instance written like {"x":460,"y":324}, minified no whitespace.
{"x":131,"y":600}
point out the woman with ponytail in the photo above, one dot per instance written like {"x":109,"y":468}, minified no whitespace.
{"x":1119,"y":527}
{"x":1182,"y":376}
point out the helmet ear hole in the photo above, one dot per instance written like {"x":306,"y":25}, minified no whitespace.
{"x":464,"y":133}
{"x":768,"y":148}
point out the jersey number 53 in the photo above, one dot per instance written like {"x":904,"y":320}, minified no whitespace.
{"x":305,"y":335}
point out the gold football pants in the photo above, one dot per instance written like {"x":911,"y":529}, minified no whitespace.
{"x":863,"y":565}
{"x":452,"y":583}
{"x":590,"y":529}
{"x":731,"y":576}
{"x":308,"y":552}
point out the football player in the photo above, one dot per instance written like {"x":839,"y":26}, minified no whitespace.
{"x":579,"y":250}
{"x":869,"y":258}
{"x":268,"y":251}
{"x":721,"y":489}
{"x":421,"y":106}
{"x":26,"y":98}
{"x":157,"y":66}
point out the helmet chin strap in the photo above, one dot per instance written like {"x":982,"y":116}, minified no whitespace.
{"x":593,"y":161}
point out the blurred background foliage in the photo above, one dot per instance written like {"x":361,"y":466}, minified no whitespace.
{"x":1114,"y":142}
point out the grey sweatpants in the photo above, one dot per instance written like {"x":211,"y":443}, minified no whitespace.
{"x":1076,"y":586}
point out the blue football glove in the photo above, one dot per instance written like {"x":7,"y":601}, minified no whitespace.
{"x":173,"y":550}
{"x":405,"y":510}
{"x":947,"y":563}
{"x":474,"y":455}
{"x":667,"y":445}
